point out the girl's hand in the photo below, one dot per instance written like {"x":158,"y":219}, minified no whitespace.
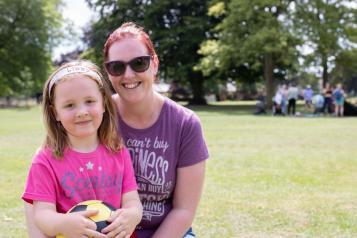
{"x":79,"y":225}
{"x":123,"y":223}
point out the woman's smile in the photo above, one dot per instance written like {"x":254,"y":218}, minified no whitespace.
{"x":131,"y":85}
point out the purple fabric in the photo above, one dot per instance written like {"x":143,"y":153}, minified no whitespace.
{"x":175,"y":140}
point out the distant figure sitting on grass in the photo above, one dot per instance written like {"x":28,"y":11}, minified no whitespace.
{"x":318,"y":103}
{"x":260,"y":105}
{"x":278,"y":103}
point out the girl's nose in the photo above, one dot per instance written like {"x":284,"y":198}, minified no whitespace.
{"x":82,"y":112}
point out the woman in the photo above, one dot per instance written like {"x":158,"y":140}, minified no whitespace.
{"x":328,"y":105}
{"x":339,"y":100}
{"x":164,"y":139}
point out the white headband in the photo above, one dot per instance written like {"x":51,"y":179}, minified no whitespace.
{"x":73,"y":70}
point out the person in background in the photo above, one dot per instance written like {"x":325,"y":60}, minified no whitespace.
{"x":292,"y":95}
{"x":277,"y":103}
{"x":338,"y":96}
{"x":308,"y":93}
{"x":261,"y":103}
{"x":318,"y":103}
{"x":284,"y":102}
{"x":327,"y":93}
{"x":82,"y":151}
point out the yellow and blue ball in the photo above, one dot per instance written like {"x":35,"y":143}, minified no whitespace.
{"x":100,"y":219}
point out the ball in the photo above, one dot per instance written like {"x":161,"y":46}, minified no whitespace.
{"x":100,"y":219}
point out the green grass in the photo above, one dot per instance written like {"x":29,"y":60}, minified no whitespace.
{"x":266,"y":176}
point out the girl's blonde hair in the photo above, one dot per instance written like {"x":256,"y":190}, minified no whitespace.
{"x":56,"y":138}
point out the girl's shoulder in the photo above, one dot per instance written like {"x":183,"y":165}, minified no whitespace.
{"x":42,"y":154}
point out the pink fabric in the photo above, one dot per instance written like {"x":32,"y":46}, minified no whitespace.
{"x":99,"y":175}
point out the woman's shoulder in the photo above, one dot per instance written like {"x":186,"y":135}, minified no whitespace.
{"x":176,"y":108}
{"x":181,"y":113}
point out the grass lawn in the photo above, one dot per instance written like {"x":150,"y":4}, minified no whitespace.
{"x":267,"y":176}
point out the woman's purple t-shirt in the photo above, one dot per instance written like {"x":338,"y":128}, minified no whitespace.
{"x":175,"y":140}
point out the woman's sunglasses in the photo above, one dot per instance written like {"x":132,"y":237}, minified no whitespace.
{"x":139,"y":64}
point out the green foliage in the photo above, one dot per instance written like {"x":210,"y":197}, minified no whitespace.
{"x":249,"y":30}
{"x":345,"y":71}
{"x":324,"y":25}
{"x":176,"y":28}
{"x":252,"y":41}
{"x":27,"y":29}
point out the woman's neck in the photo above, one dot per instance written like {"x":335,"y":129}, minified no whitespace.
{"x":84,"y":145}
{"x":143,"y":114}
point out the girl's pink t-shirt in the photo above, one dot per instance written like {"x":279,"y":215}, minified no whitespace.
{"x":98,"y":175}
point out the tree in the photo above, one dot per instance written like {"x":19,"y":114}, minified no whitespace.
{"x":254,"y":38}
{"x":27,"y":33}
{"x":345,"y":70}
{"x":176,"y":27}
{"x":327,"y":27}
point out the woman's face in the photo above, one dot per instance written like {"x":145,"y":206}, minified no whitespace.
{"x":132,"y":86}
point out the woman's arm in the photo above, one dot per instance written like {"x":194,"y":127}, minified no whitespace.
{"x":124,"y":220}
{"x":32,"y":229}
{"x":187,"y":195}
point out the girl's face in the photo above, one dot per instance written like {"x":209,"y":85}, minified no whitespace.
{"x":79,"y":107}
{"x":132,"y":86}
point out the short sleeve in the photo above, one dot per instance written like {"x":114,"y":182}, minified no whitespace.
{"x":193,"y":148}
{"x":129,"y":182}
{"x":39,"y":185}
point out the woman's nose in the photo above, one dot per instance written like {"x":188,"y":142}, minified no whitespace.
{"x":129,"y":72}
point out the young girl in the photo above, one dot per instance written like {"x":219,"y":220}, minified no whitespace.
{"x":82,"y":158}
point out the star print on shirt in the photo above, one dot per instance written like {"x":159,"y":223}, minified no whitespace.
{"x":100,"y":168}
{"x":81,"y":169}
{"x":89,"y":165}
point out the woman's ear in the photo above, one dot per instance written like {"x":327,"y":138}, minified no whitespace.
{"x":155,"y":61}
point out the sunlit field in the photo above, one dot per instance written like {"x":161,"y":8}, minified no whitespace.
{"x":266,"y":177}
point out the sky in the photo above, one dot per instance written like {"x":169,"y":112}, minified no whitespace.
{"x":79,"y":13}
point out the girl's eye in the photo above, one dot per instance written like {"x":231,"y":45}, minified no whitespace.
{"x":69,"y":105}
{"x":90,"y":101}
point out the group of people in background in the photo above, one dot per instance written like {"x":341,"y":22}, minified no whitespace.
{"x":329,"y":102}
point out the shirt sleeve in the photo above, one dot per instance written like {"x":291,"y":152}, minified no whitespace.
{"x":129,"y":182}
{"x":193,"y":148}
{"x":39,"y":184}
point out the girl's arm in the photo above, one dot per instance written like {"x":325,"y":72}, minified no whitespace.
{"x":70,"y":225}
{"x":187,"y":194}
{"x":124,"y":220}
{"x":32,"y":229}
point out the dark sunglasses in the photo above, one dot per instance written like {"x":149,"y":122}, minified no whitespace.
{"x":139,"y":64}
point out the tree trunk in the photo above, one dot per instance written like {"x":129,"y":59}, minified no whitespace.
{"x":269,"y":79}
{"x":196,"y":80}
{"x":324,"y":72}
